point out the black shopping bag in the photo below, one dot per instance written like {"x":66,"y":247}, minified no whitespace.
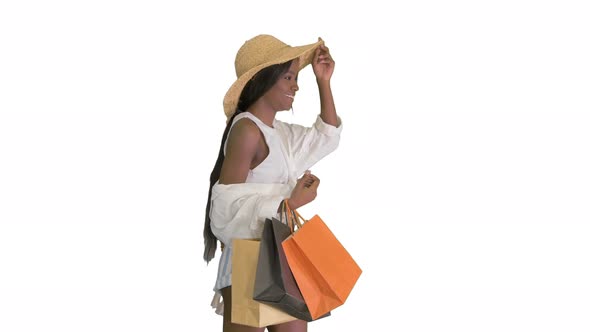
{"x":274,"y":284}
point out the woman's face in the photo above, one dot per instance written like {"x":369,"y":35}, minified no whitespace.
{"x":282,"y":93}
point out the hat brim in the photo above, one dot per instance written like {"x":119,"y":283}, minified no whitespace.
{"x":304,"y":53}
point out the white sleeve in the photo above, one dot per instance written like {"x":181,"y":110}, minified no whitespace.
{"x":308,"y":145}
{"x":239,"y":210}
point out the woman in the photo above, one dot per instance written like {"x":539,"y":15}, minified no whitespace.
{"x":263,"y":161}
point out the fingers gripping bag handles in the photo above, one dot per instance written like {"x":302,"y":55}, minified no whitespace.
{"x":275,"y":284}
{"x":324,"y":270}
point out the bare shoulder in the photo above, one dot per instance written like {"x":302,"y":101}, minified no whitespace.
{"x":244,"y":135}
{"x":242,"y":145}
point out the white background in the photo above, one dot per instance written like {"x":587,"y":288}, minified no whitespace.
{"x":460,"y":186}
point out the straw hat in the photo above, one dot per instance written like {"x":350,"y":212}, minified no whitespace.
{"x":258,"y":53}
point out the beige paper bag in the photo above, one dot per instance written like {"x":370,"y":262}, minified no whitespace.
{"x":245,"y":310}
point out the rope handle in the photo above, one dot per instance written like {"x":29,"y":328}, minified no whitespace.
{"x":297,"y":218}
{"x":285,"y":214}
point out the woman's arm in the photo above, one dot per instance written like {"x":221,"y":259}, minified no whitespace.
{"x":241,"y":149}
{"x":323,"y":68}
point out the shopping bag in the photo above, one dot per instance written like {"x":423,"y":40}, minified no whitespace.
{"x":245,"y":310}
{"x":324,"y":270}
{"x":275,"y":284}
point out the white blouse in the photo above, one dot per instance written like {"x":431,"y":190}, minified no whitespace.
{"x":239,"y":210}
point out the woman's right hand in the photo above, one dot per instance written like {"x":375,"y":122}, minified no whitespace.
{"x":305,"y":190}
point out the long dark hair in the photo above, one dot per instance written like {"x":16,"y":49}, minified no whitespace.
{"x":254,"y":89}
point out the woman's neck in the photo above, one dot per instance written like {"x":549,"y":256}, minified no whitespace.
{"x":265,"y":114}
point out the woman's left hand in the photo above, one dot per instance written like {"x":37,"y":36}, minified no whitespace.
{"x":322,"y":64}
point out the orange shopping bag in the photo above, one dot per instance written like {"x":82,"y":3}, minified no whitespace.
{"x":323,"y":269}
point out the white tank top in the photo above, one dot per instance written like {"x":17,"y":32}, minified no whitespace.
{"x":274,"y":168}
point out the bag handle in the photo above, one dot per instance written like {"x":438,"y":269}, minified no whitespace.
{"x":297,"y":218}
{"x":288,"y":216}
